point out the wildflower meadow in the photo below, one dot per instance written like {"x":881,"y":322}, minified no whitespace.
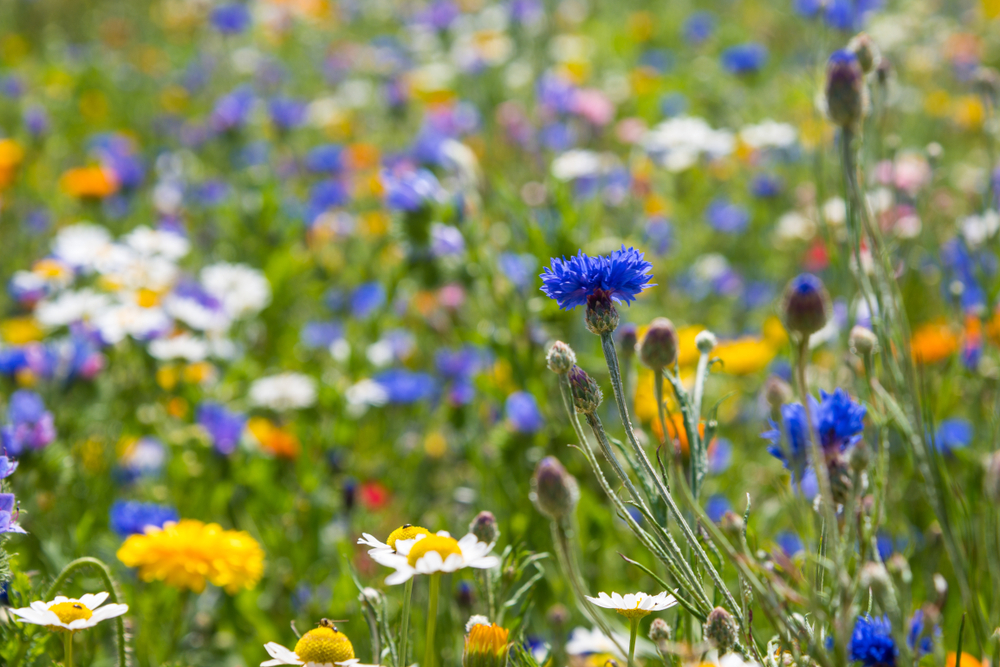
{"x":499,"y":333}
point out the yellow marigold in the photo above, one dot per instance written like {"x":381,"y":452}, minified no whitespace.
{"x":189,"y":553}
{"x":932,"y":343}
{"x":744,"y":356}
{"x":89,"y":182}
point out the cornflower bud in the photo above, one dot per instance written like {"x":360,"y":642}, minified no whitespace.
{"x":866,"y":51}
{"x":587,"y":395}
{"x":658,"y":348}
{"x":721,"y":629}
{"x":863,"y":341}
{"x":705,"y":341}
{"x":484,"y":527}
{"x":553,"y":490}
{"x":560,"y":358}
{"x":845,"y":101}
{"x":806,"y":305}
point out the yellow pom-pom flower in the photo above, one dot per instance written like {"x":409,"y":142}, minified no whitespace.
{"x":188,"y":553}
{"x":323,"y":645}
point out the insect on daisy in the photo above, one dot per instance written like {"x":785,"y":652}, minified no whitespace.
{"x":634,"y":606}
{"x":321,"y":646}
{"x":405,"y":532}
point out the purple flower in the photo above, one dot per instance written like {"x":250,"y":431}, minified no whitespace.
{"x":517,"y":268}
{"x":523,"y":415}
{"x":286,"y":113}
{"x":446,"y":240}
{"x":623,"y":274}
{"x":411,"y":190}
{"x":224,"y":426}
{"x":871,"y":642}
{"x":953,"y":434}
{"x":30,"y":425}
{"x":231,"y":19}
{"x":7,"y":467}
{"x":231,"y":111}
{"x":716,"y":506}
{"x":727,"y":217}
{"x":132,"y":518}
{"x":698,"y":27}
{"x":316,"y":335}
{"x":8,"y":514}
{"x":366,"y":299}
{"x":325,"y":159}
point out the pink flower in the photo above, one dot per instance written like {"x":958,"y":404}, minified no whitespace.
{"x":594,"y":106}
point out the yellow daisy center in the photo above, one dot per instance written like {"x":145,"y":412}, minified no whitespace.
{"x":324,"y":645}
{"x":406,"y":532}
{"x":444,"y":546}
{"x":634,"y":613}
{"x":70,"y":611}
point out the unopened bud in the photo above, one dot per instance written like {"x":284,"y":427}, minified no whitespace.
{"x":898,"y":566}
{"x":875,"y":577}
{"x":587,"y":394}
{"x":486,"y":646}
{"x":659,"y":631}
{"x":732,"y":524}
{"x":777,"y":392}
{"x":658,"y":348}
{"x":721,"y":630}
{"x":561,"y":358}
{"x":705,"y":341}
{"x":806,"y":305}
{"x":863,"y":341}
{"x":554,"y":491}
{"x":866,"y":51}
{"x":627,"y":338}
{"x":484,"y":527}
{"x":602,"y":316}
{"x":845,"y":100}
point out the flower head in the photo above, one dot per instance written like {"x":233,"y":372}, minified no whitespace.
{"x":70,"y":614}
{"x":871,"y":642}
{"x":323,"y":645}
{"x":486,"y":645}
{"x":634,"y":605}
{"x":188,"y":553}
{"x":8,"y":514}
{"x":131,"y":518}
{"x":622,"y":275}
{"x":430,"y":554}
{"x":405,"y":532}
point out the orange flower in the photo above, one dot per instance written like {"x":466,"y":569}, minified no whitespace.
{"x":932,"y":343}
{"x":11,"y":155}
{"x":273,"y":438}
{"x":89,"y":182}
{"x":966,"y":661}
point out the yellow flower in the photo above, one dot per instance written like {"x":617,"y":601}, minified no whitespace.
{"x":189,"y":553}
{"x":966,"y":660}
{"x":744,"y":356}
{"x":486,"y":645}
{"x":11,"y":155}
{"x":273,"y":438}
{"x":932,"y":343}
{"x":20,"y":330}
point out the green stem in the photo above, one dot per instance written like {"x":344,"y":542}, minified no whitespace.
{"x":432,"y":611}
{"x":634,"y":628}
{"x":404,"y":623}
{"x":68,"y":644}
{"x":114,"y":595}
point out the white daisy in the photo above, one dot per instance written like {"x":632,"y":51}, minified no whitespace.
{"x":182,"y":346}
{"x":148,"y":242}
{"x":285,"y":391}
{"x":633,"y":605}
{"x":430,"y":554}
{"x":322,"y":646}
{"x":70,"y":614}
{"x":406,"y":532}
{"x":241,"y":289}
{"x":81,"y":244}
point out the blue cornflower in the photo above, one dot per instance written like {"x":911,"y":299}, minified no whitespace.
{"x":517,"y":268}
{"x":231,"y":111}
{"x":230,"y":19}
{"x":720,"y":455}
{"x":743,"y":59}
{"x":839,"y":420}
{"x":919,"y":642}
{"x":849,"y":15}
{"x":698,"y":27}
{"x":871,"y":642}
{"x":367,"y":298}
{"x":790,"y":543}
{"x":716,"y":506}
{"x":727,"y":217}
{"x":286,"y":113}
{"x":459,"y":367}
{"x":8,"y":514}
{"x":766,"y":186}
{"x":523,"y":415}
{"x":325,"y":195}
{"x":403,"y":386}
{"x":790,"y":440}
{"x":324,"y":159}
{"x":659,"y":235}
{"x":30,"y":425}
{"x":953,"y":434}
{"x":411,"y":190}
{"x":224,"y":426}
{"x":622,"y":275}
{"x":131,"y":518}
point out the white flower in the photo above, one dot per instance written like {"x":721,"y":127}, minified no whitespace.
{"x":69,"y":613}
{"x":364,"y":394}
{"x":194,"y":314}
{"x":82,"y":244}
{"x":978,"y":228}
{"x":149,"y":242}
{"x":679,"y":142}
{"x":431,"y":554}
{"x":241,"y":289}
{"x":69,"y":307}
{"x":284,"y":656}
{"x":285,"y":391}
{"x":122,"y":320}
{"x":181,"y":346}
{"x":575,"y":164}
{"x":583,"y":642}
{"x":769,"y":134}
{"x":634,"y":604}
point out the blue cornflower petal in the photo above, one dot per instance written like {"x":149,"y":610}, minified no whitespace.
{"x":871,"y":642}
{"x":623,"y":274}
